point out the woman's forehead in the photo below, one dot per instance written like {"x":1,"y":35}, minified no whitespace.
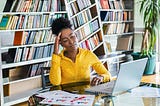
{"x":66,"y":32}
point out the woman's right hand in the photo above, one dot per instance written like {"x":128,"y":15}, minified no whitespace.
{"x":56,"y":44}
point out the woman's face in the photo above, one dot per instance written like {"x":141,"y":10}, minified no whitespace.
{"x":68,"y":39}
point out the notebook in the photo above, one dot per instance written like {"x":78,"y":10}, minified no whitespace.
{"x":129,"y":77}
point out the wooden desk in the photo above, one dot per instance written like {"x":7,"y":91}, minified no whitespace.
{"x":153,"y":79}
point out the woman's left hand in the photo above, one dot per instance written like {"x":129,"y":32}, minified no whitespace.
{"x":97,"y":80}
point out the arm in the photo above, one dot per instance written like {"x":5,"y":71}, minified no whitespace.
{"x":104,"y":74}
{"x":55,"y":72}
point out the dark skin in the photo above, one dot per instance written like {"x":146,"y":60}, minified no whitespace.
{"x":68,"y":40}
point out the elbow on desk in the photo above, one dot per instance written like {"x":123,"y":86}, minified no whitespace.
{"x":54,"y":81}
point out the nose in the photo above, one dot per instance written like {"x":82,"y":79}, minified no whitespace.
{"x":71,"y":41}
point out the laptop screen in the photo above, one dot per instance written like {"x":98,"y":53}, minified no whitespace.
{"x":129,"y":75}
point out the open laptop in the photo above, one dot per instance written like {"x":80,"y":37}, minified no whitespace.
{"x":129,"y":77}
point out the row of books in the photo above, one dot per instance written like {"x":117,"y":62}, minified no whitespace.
{"x":34,"y":5}
{"x":91,"y":43}
{"x":117,"y":28}
{"x":26,"y":71}
{"x":25,"y":21}
{"x":33,"y":37}
{"x":116,"y":15}
{"x":112,"y":4}
{"x":81,"y":19}
{"x":78,"y":6}
{"x":87,"y":30}
{"x":121,"y":43}
{"x":28,"y":53}
{"x":35,"y":69}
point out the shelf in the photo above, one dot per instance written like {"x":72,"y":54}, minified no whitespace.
{"x":115,"y":10}
{"x":19,"y":98}
{"x":83,"y":10}
{"x":86,"y":23}
{"x":109,"y":22}
{"x":28,"y":45}
{"x":88,"y":36}
{"x":15,"y":80}
{"x":10,"y":65}
{"x":32,"y":13}
{"x":110,"y":35}
{"x":33,"y":29}
{"x":110,"y":56}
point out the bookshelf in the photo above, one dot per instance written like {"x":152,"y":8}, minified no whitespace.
{"x":117,"y":19}
{"x":117,"y":23}
{"x":26,"y":45}
{"x":86,"y":24}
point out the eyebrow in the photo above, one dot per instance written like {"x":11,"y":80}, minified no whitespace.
{"x":69,"y":35}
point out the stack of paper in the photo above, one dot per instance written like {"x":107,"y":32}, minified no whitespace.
{"x":59,"y":97}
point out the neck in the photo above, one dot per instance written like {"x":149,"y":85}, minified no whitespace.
{"x":71,"y":54}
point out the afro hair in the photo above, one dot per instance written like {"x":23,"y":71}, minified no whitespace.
{"x":60,"y":24}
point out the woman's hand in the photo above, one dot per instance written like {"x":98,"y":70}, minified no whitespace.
{"x":97,"y":80}
{"x":56,"y":44}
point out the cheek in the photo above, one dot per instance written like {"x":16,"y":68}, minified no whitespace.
{"x":64,"y":44}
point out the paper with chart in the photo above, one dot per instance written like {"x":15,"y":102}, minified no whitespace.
{"x":60,"y":97}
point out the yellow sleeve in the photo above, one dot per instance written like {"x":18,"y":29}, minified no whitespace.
{"x":55,"y":72}
{"x":99,"y":68}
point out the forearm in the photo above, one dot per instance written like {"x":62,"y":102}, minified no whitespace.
{"x":55,"y":72}
{"x":102,"y":71}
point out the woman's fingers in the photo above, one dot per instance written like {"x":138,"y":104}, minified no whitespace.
{"x":96,"y":81}
{"x":57,"y":42}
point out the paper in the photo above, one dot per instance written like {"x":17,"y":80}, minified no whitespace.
{"x":145,"y":91}
{"x":59,"y":97}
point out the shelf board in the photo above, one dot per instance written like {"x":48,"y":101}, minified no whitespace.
{"x":88,"y":36}
{"x":110,"y":35}
{"x":10,"y":65}
{"x":27,"y":45}
{"x":71,"y":1}
{"x":110,"y":56}
{"x":32,"y":29}
{"x":121,"y":21}
{"x":97,"y":46}
{"x":18,"y":79}
{"x":19,"y":98}
{"x":83,"y":10}
{"x":32,"y":13}
{"x":115,"y":10}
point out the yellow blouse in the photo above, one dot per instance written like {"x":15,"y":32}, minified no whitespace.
{"x":64,"y":70}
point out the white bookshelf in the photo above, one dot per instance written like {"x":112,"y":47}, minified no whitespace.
{"x":83,"y":7}
{"x":117,"y":15}
{"x":11,"y":92}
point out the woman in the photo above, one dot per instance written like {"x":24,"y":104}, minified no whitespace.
{"x":73,"y":63}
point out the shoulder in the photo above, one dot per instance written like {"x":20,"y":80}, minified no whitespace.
{"x":82,"y":50}
{"x":85,"y":52}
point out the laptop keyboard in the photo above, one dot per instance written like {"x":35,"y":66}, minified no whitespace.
{"x":102,"y":88}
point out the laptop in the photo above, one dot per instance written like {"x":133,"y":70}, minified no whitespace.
{"x":129,"y":77}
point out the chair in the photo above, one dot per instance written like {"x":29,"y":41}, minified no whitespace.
{"x":45,"y":78}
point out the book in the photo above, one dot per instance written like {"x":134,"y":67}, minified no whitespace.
{"x":8,"y":5}
{"x":4,"y":22}
{"x":18,"y":38}
{"x":104,"y":4}
{"x":124,"y":43}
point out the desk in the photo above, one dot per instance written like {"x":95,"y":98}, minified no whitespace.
{"x":153,"y":79}
{"x":125,"y":99}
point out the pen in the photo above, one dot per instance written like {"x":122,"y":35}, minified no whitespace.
{"x":77,"y":99}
